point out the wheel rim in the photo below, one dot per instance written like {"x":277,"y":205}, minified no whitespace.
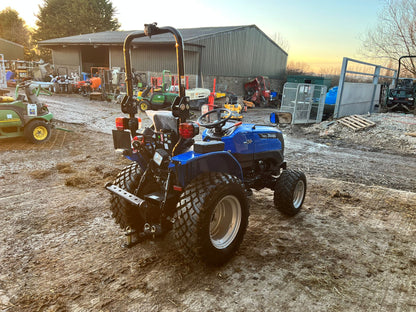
{"x":143,"y":106}
{"x":225,"y":222}
{"x":40,"y":133}
{"x":298,"y":194}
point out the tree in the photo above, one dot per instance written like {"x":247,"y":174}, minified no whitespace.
{"x":281,"y":41}
{"x":394,"y":34}
{"x":297,"y":68}
{"x":63,"y":18}
{"x":13,"y":28}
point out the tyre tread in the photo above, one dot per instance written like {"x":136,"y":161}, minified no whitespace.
{"x":283,"y":194}
{"x":192,"y":206}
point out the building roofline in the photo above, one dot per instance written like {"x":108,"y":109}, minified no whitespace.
{"x":116,"y":38}
{"x":8,"y":41}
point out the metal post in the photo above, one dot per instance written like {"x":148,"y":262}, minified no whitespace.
{"x":375,"y":82}
{"x":340,"y":86}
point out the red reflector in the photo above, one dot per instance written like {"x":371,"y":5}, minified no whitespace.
{"x":177,"y":188}
{"x":119,"y":123}
{"x":186,"y":130}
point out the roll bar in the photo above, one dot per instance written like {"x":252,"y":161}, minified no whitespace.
{"x":180,"y":107}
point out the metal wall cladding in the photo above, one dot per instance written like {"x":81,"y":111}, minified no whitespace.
{"x":66,"y":56}
{"x":11,"y":50}
{"x":240,"y":52}
{"x":243,"y":52}
{"x":162,"y":58}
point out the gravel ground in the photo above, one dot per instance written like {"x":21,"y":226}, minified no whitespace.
{"x":352,"y":247}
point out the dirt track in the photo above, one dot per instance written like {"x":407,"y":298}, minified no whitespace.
{"x":353,"y":247}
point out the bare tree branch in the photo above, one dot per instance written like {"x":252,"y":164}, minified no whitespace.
{"x":394,"y":35}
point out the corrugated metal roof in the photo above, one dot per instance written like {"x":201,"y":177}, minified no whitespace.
{"x":11,"y":43}
{"x":117,"y":37}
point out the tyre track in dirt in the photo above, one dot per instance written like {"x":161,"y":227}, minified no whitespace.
{"x":351,"y":248}
{"x":353,"y":165}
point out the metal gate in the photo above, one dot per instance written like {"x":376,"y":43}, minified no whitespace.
{"x":360,"y":98}
{"x":3,"y":80}
{"x":305,"y":101}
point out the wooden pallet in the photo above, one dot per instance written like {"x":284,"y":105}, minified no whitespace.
{"x":356,"y":122}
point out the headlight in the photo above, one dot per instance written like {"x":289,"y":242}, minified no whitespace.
{"x":410,"y":99}
{"x":390,"y":98}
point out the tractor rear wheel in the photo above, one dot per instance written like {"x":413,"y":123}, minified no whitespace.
{"x":37,"y":131}
{"x":125,"y":213}
{"x":212,"y":218}
{"x":289,"y":192}
{"x":144,"y":105}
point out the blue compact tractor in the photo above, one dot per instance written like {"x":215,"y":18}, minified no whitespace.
{"x":197,"y":189}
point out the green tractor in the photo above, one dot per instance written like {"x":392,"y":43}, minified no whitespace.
{"x":19,"y":118}
{"x":157,"y":97}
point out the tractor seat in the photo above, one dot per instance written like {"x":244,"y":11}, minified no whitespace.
{"x":31,"y":98}
{"x":6,"y":99}
{"x":164,"y":120}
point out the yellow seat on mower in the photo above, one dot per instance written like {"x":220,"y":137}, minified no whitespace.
{"x":6,"y":99}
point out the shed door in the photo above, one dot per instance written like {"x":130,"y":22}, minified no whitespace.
{"x":94,"y":57}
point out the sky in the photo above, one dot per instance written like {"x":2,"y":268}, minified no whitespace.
{"x":318,"y":33}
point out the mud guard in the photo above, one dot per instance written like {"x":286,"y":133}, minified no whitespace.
{"x":190,"y":165}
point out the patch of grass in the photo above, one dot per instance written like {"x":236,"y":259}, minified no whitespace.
{"x":64,"y":168}
{"x":80,"y":180}
{"x":40,"y":174}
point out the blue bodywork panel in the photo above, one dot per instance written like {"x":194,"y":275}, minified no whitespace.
{"x":251,"y":138}
{"x":190,"y":164}
{"x":242,"y":145}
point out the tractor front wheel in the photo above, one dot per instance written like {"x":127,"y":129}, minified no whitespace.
{"x":144,"y":105}
{"x":37,"y":131}
{"x":212,"y":218}
{"x":289,"y":192}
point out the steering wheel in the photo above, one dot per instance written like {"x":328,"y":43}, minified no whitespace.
{"x":219,"y":123}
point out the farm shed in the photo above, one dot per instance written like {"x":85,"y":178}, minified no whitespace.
{"x":237,"y":52}
{"x":11,"y":50}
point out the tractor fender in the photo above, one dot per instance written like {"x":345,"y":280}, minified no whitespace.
{"x":189,"y":165}
{"x":47,"y":118}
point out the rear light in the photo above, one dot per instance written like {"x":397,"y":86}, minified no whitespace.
{"x":122,"y":123}
{"x":178,"y":188}
{"x":188,"y":130}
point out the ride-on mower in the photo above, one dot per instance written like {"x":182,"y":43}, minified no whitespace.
{"x":197,"y":189}
{"x":30,"y":118}
{"x":161,"y":97}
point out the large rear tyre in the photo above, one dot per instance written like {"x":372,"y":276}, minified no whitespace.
{"x":126,"y":214}
{"x":290,"y":191}
{"x":212,"y":218}
{"x":37,"y":131}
